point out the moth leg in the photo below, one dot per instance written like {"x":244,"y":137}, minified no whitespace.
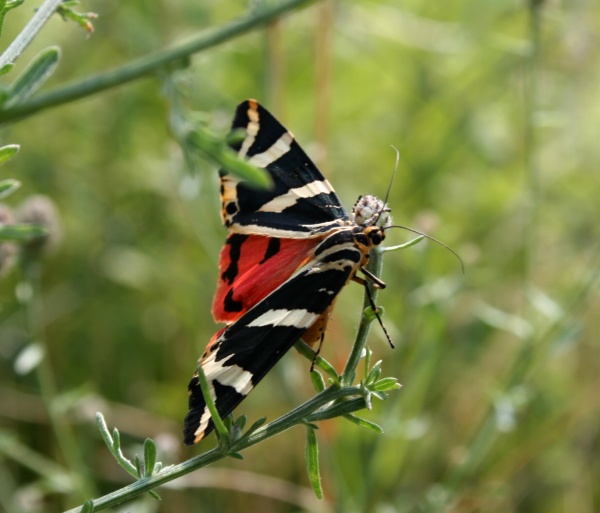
{"x":377,"y":283}
{"x":317,"y":352}
{"x":365,"y":284}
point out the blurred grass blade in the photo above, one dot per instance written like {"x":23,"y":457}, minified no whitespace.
{"x":21,"y":232}
{"x":7,"y":152}
{"x":8,"y":186}
{"x":39,"y":70}
{"x":11,"y":448}
{"x":312,"y":462}
{"x":500,"y":319}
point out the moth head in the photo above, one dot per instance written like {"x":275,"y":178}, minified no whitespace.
{"x":375,"y":234}
{"x":371,"y":211}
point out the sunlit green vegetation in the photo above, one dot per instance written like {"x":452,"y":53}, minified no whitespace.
{"x":494,"y":107}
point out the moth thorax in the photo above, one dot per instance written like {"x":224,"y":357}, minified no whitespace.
{"x":371,"y":211}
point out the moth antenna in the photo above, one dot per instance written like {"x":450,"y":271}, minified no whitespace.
{"x":387,"y":194}
{"x":396,"y":164}
{"x":433,"y":239}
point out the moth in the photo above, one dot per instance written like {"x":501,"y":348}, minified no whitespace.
{"x":289,"y":252}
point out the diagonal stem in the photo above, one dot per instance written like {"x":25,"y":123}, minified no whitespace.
{"x":150,"y":64}
{"x":349,"y":373}
{"x":293,"y":418}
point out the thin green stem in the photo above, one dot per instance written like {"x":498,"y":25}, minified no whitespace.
{"x":22,"y":41}
{"x":349,"y":373}
{"x":291,"y":419}
{"x":148,"y":65}
{"x":210,"y":402}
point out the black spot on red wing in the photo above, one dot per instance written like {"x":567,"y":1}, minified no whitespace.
{"x":230,"y":304}
{"x":235,"y":243}
{"x":272,"y":249}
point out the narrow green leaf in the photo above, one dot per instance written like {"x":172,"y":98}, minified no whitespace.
{"x":88,"y":506}
{"x":154,"y":495}
{"x":236,"y":455}
{"x":8,"y":186}
{"x":7,"y":152}
{"x":382,"y":396}
{"x":364,"y":423}
{"x":149,"y":456}
{"x":138,"y":466}
{"x":368,"y":354}
{"x":116,"y":436}
{"x":386,"y":384}
{"x":310,"y":424}
{"x":103,"y":428}
{"x":240,"y":422}
{"x":317,"y":380}
{"x":312,"y":462}
{"x":253,"y":428}
{"x":374,"y":373}
{"x":21,"y":232}
{"x":34,"y":76}
{"x":368,"y":401}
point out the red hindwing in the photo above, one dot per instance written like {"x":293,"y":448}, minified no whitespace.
{"x":251,"y":267}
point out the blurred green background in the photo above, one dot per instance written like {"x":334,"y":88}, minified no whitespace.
{"x":495,"y":109}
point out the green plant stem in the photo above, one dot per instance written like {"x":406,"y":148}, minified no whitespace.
{"x":150,"y":64}
{"x":349,"y":373}
{"x":210,"y":402}
{"x":38,"y":20}
{"x":291,"y":419}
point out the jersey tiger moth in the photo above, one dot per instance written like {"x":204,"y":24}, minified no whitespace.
{"x":289,"y":252}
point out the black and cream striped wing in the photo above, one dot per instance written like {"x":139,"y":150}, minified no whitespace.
{"x":248,"y":348}
{"x":301,"y":204}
